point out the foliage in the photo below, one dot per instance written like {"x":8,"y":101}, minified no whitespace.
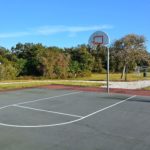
{"x":100,"y":62}
{"x":36,"y":60}
{"x":81,"y":60}
{"x":7,"y":72}
{"x":54,"y":63}
{"x":128,"y":52}
{"x":29,"y":52}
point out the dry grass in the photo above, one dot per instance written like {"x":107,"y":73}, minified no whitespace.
{"x":147,"y":88}
{"x":115,"y":77}
{"x":36,"y":83}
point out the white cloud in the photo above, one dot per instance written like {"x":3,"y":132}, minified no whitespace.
{"x":13,"y":34}
{"x":49,"y":30}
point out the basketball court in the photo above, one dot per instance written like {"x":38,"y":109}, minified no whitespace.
{"x":43,"y":118}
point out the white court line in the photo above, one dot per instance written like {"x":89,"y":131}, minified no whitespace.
{"x":108,"y":107}
{"x":69,"y":122}
{"x":5,"y":107}
{"x":41,"y":99}
{"x":54,"y":112}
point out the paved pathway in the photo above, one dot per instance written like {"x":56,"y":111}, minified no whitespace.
{"x":130,"y":85}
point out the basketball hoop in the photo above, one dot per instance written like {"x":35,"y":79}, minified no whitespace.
{"x":99,"y":38}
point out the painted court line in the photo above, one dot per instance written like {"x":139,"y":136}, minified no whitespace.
{"x":69,"y":122}
{"x":54,"y":112}
{"x":108,"y":107}
{"x":41,"y":99}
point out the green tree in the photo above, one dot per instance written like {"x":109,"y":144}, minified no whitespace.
{"x":7,"y":71}
{"x":100,"y":62}
{"x":54,"y":63}
{"x":28,"y":53}
{"x":81,"y":60}
{"x":74,"y":68}
{"x":128,"y":52}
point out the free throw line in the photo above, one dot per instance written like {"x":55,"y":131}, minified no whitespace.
{"x":48,"y":111}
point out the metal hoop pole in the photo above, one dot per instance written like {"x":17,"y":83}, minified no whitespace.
{"x":107,"y":69}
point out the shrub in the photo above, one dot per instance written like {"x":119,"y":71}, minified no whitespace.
{"x":85,"y":73}
{"x":7,"y":72}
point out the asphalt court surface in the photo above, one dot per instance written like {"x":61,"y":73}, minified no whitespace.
{"x":44,"y":119}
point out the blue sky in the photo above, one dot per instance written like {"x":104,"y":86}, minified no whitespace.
{"x":67,"y":23}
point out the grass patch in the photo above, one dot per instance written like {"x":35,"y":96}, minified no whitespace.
{"x":93,"y":77}
{"x":115,"y":77}
{"x":16,"y":84}
{"x":36,"y":83}
{"x":147,"y":88}
{"x":81,"y":84}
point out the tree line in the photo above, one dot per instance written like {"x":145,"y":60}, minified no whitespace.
{"x":37,"y":60}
